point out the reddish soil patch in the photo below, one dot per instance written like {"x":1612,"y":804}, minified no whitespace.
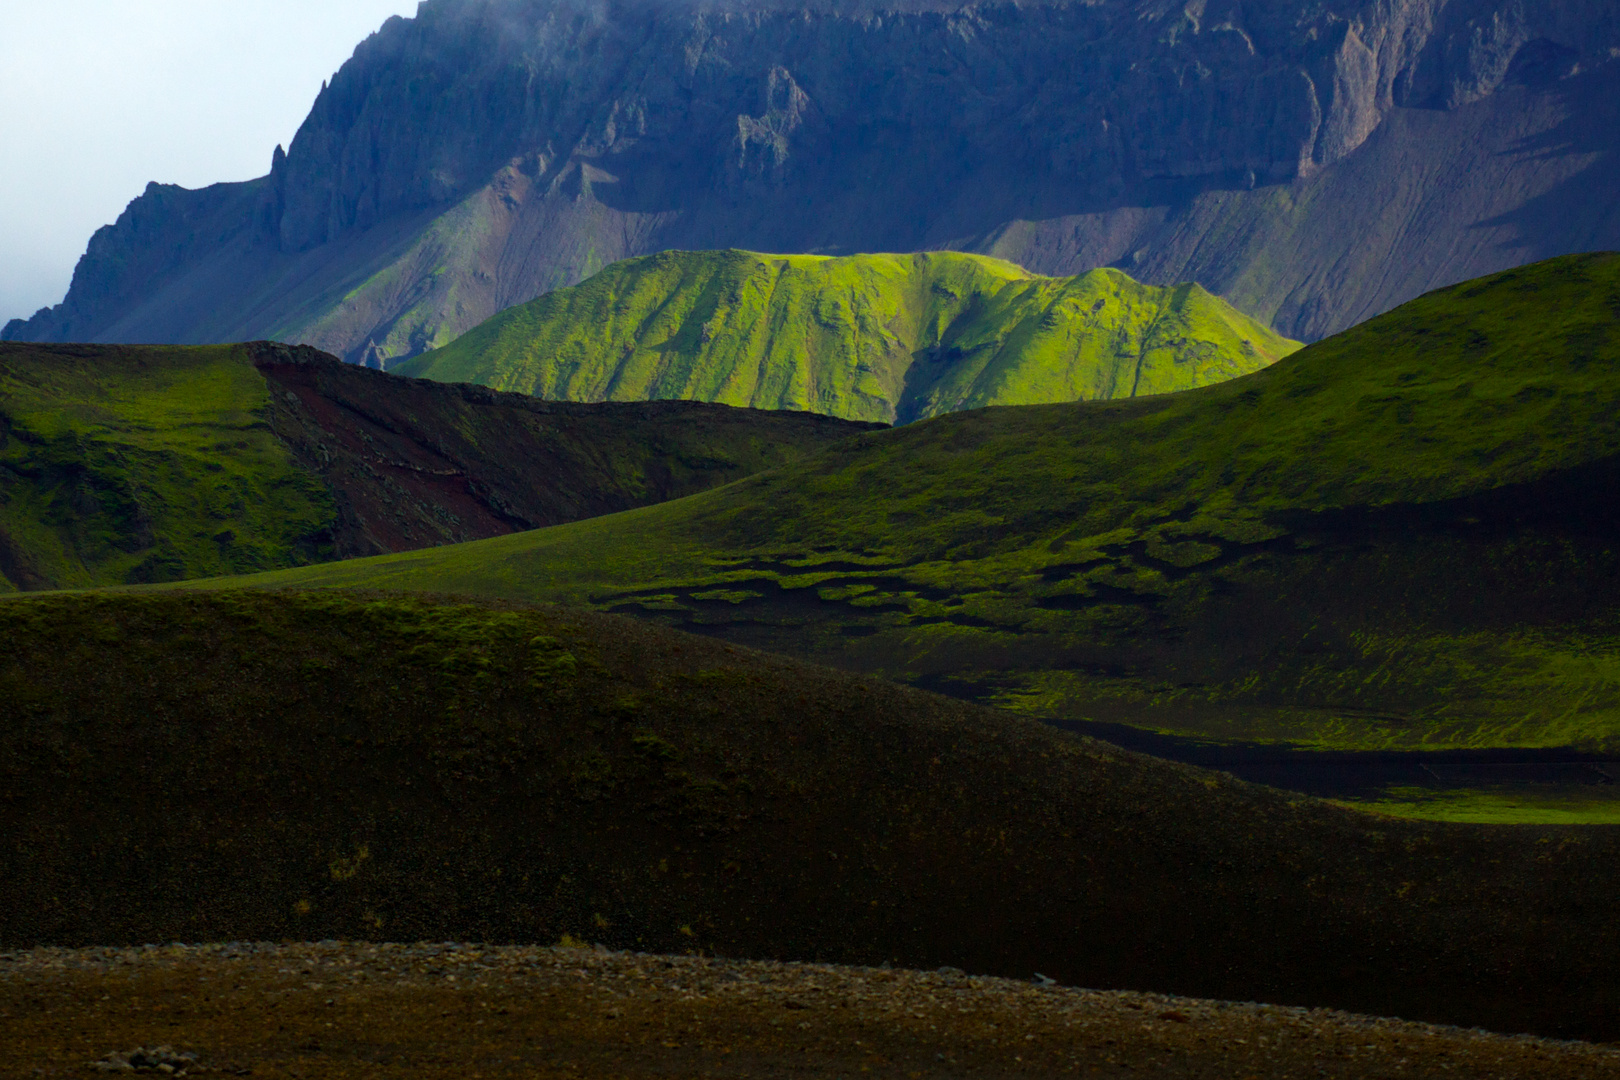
{"x":413,"y":463}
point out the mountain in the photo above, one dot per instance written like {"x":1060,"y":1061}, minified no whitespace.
{"x":141,"y":464}
{"x":1400,"y":537}
{"x":1314,"y":162}
{"x":866,"y":337}
{"x":250,"y":766}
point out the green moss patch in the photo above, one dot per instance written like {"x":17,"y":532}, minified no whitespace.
{"x":865,"y":337}
{"x":1499,"y":806}
{"x":146,"y":463}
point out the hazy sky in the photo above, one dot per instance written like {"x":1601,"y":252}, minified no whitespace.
{"x":97,"y":97}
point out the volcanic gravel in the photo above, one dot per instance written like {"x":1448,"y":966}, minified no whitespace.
{"x":453,"y":1010}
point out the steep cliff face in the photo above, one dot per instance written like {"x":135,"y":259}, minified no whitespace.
{"x":490,"y":150}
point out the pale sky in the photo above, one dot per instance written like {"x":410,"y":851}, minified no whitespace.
{"x":97,"y":97}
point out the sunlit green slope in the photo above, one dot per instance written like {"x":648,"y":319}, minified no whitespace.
{"x":865,"y":337}
{"x":1404,"y":535}
{"x":146,"y":463}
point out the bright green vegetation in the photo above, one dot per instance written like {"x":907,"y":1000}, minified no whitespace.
{"x":252,"y":765}
{"x":158,"y":463}
{"x":1498,"y":806}
{"x":1398,"y":537}
{"x":864,"y":337}
{"x":146,"y":463}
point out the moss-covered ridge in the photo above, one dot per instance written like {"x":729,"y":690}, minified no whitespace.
{"x":262,"y":766}
{"x":128,"y":464}
{"x":865,"y":337}
{"x":147,"y":464}
{"x":1401,"y":536}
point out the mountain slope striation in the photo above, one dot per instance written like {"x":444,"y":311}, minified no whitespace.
{"x":1314,"y":162}
{"x":866,"y":337}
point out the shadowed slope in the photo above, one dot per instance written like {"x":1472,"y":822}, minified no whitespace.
{"x":252,"y":766}
{"x":130,"y":464}
{"x":869,"y":337}
{"x":1401,"y":536}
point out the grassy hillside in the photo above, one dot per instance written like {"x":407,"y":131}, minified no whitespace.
{"x":1401,"y":537}
{"x":867,"y":337}
{"x":262,"y":766}
{"x":156,"y":463}
{"x":146,"y":464}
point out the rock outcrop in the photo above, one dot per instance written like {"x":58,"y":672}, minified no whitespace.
{"x":1314,"y":161}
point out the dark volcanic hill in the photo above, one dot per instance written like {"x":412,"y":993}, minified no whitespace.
{"x":1315,"y":162}
{"x":145,"y":463}
{"x":248,"y":766}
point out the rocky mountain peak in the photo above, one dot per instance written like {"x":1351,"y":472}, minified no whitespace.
{"x":1064,"y":134}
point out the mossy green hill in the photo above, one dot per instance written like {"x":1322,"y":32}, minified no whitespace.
{"x":146,"y":464}
{"x":891,"y":338}
{"x":262,"y":766}
{"x":1403,"y":536}
{"x":124,"y":464}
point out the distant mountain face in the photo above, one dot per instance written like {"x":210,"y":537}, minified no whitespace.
{"x":864,"y":337}
{"x":1313,"y":161}
{"x":144,"y":464}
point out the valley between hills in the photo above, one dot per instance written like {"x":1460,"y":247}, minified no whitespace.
{"x":678,"y":676}
{"x":1396,"y":539}
{"x":635,"y":674}
{"x":749,"y":540}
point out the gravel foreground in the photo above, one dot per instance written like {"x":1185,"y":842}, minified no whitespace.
{"x":365,"y":1010}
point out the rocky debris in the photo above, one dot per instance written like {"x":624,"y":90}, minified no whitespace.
{"x":430,"y":1009}
{"x":165,"y":1060}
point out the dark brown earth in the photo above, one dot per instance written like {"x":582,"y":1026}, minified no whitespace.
{"x":413,"y":463}
{"x":355,"y":1010}
{"x":271,"y":766}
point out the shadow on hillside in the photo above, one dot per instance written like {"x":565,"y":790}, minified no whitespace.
{"x":1583,"y":212}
